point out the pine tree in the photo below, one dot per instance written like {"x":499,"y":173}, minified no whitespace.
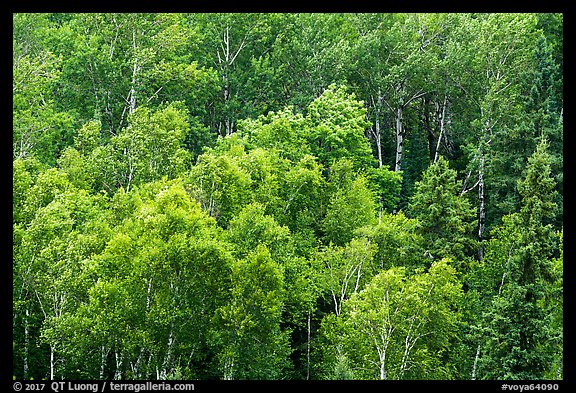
{"x":444,"y":217}
{"x":518,"y":327}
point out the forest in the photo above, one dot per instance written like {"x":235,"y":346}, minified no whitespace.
{"x":287,"y":196}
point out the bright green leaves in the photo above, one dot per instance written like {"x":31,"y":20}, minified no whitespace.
{"x":303,"y":198}
{"x":344,"y":270}
{"x":348,"y":210}
{"x":332,"y":129}
{"x":251,"y":227}
{"x":398,"y":326}
{"x":283,"y":130}
{"x":267,"y":196}
{"x":397,"y":241}
{"x":337,"y":122}
{"x":160,"y":277}
{"x":150,"y":147}
{"x":247,"y":332}
{"x":220,"y":184}
{"x":64,"y":227}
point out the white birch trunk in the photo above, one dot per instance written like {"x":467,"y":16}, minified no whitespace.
{"x":482,"y":208}
{"x":308,"y":350}
{"x":132,"y":104}
{"x":118,"y":371}
{"x":383,"y":375}
{"x":26,"y":342}
{"x":399,"y":139}
{"x":51,"y":362}
{"x":376,"y":132}
{"x":441,"y":121}
{"x":103,"y":355}
{"x":168,"y":357}
{"x":476,"y":362}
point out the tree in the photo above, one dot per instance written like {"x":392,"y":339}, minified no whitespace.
{"x":516,"y":326}
{"x":247,"y":333}
{"x":251,"y":228}
{"x":345,"y":270}
{"x":283,"y":130}
{"x":162,"y":264}
{"x":303,"y":193}
{"x":40,"y":127}
{"x":399,"y":326}
{"x":444,"y":217}
{"x":49,"y":265}
{"x":231,"y":42}
{"x":540,"y":117}
{"x":149,"y":147}
{"x":352,"y":204}
{"x":397,"y":240}
{"x":220,"y":184}
{"x":337,"y":123}
{"x":496,"y":61}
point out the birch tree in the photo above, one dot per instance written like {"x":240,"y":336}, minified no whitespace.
{"x":345,"y":270}
{"x":496,"y":61}
{"x":399,"y":326}
{"x":41,"y":127}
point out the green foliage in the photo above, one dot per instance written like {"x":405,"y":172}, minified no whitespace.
{"x":444,"y":217}
{"x":337,"y":123}
{"x":398,"y":241}
{"x":220,"y":184}
{"x":250,"y":341}
{"x":386,"y":184}
{"x":287,"y":196}
{"x":303,"y":196}
{"x":251,"y":227}
{"x":349,"y":209}
{"x":282,"y":130}
{"x":398,"y":326}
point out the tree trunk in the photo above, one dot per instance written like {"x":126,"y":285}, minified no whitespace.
{"x":132,"y":102}
{"x":399,"y":139}
{"x":227,"y":124}
{"x":475,"y":362}
{"x":378,"y":141}
{"x":168,"y":357}
{"x":382,"y":354}
{"x":118,"y":372}
{"x":308,"y":350}
{"x":383,"y":375}
{"x":148,"y":296}
{"x":103,"y":356}
{"x":482,"y":208}
{"x":441,"y":117}
{"x":26,"y":342}
{"x":376,"y":132}
{"x":51,"y":362}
